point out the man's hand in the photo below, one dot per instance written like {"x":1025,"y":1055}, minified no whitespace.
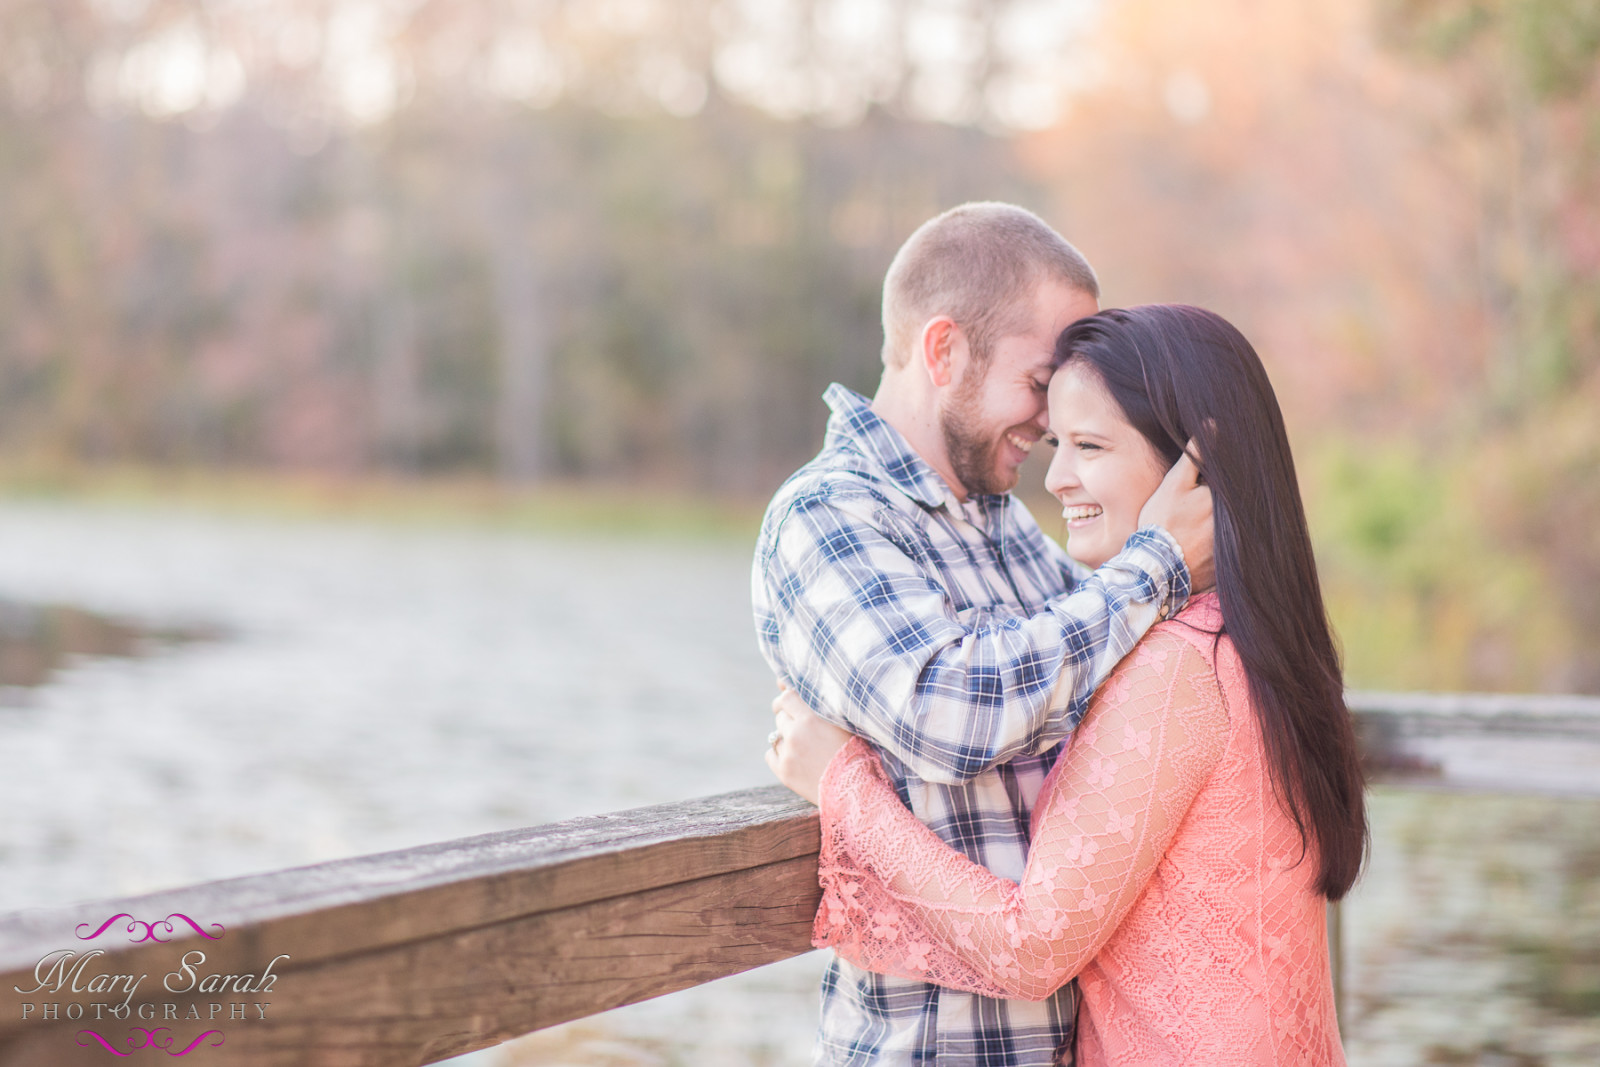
{"x":1182,"y":507}
{"x":802,"y":745}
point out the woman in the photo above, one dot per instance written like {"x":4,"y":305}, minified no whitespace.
{"x":1210,"y":802}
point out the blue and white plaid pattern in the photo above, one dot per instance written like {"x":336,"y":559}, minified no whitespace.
{"x":965,"y":645}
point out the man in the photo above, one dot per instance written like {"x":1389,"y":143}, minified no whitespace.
{"x":907,"y":596}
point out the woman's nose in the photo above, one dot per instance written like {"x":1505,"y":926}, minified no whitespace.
{"x":1060,"y":477}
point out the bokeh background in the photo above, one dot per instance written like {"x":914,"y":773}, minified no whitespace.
{"x":321,"y":315}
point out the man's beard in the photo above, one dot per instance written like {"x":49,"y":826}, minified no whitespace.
{"x":973,"y":452}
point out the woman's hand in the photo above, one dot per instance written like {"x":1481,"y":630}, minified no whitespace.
{"x":802,"y":744}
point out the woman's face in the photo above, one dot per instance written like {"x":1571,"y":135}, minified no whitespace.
{"x":1104,"y":469}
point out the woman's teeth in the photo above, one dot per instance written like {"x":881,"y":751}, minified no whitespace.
{"x":1081,"y":511}
{"x":1025,"y":445}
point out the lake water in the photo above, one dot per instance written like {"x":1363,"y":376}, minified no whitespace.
{"x":327,"y":689}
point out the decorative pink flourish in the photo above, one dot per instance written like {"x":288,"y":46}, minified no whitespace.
{"x":150,"y":1037}
{"x":150,"y":928}
{"x":103,"y":1043}
{"x":90,"y":937}
{"x":196,"y":1042}
{"x":151,"y":1041}
{"x":194,"y":926}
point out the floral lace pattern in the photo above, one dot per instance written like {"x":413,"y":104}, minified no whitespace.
{"x":1163,"y":873}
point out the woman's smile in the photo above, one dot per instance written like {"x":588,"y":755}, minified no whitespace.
{"x":1104,"y":470}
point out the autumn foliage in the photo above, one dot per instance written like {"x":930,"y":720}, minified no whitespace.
{"x":632,"y":242}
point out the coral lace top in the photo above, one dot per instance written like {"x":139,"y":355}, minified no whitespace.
{"x":1163,"y":873}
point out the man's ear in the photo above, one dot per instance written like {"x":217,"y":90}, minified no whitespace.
{"x":944,"y":350}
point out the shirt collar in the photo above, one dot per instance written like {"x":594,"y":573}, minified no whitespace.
{"x":854,"y":420}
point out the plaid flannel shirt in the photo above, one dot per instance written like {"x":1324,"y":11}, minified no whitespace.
{"x":964,"y":644}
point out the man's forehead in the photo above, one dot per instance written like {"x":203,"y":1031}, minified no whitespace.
{"x":1065,"y":304}
{"x":1056,"y":306}
{"x":1025,"y":355}
{"x":1042,"y":360}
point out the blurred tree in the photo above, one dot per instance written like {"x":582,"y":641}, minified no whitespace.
{"x":1525,"y":75}
{"x":1411,"y":237}
{"x":1525,"y":79}
{"x":634,"y":239}
{"x":537,"y":238}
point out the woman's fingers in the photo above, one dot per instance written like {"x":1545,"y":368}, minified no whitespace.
{"x":789,"y":705}
{"x":1181,"y":505}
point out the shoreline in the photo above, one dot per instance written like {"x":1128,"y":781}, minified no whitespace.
{"x":443,"y":501}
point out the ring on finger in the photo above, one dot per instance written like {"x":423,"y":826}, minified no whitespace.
{"x":773,"y":738}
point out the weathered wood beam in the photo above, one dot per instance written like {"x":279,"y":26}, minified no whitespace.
{"x":409,"y":957}
{"x":1481,"y":742}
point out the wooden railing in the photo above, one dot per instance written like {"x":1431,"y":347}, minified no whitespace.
{"x":409,"y":957}
{"x":412,"y":956}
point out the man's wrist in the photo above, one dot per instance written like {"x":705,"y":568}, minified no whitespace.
{"x":1158,"y":555}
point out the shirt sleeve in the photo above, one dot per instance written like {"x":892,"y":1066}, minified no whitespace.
{"x":899,"y":901}
{"x":859,"y":623}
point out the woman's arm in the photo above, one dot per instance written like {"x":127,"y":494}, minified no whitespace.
{"x":898,"y":900}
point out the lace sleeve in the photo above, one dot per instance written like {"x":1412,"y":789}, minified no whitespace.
{"x":897,"y":900}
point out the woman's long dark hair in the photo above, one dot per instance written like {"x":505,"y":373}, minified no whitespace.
{"x":1182,"y":373}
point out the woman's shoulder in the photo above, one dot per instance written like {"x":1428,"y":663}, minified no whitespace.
{"x":1199,"y":631}
{"x":1203,"y":611}
{"x":1177,"y":657}
{"x":1198,"y":625}
{"x":1167,"y":686}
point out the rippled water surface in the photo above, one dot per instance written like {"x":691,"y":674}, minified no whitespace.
{"x":341,"y":688}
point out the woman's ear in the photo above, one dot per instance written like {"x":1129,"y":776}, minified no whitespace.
{"x":1191,"y":448}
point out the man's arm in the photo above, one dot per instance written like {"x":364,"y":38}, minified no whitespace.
{"x":870,"y":639}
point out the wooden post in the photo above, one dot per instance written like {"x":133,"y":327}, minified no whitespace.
{"x":1336,"y":959}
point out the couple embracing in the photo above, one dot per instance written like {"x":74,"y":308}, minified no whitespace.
{"x":1082,"y":806}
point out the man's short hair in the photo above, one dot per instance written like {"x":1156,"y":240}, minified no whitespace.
{"x":980,"y":264}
